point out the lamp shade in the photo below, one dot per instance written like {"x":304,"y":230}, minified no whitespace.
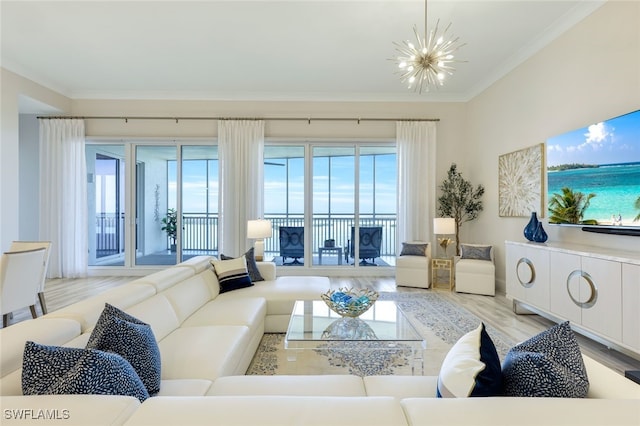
{"x":259,"y":228}
{"x":444,"y":225}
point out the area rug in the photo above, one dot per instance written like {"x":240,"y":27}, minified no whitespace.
{"x":440,"y":321}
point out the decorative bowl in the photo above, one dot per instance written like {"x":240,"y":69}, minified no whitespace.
{"x":350,"y":302}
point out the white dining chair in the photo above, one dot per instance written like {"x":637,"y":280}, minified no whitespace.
{"x":30,"y":245}
{"x":20,"y":276}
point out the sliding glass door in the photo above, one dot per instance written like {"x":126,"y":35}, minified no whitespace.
{"x":319,"y":195}
{"x":154,"y":203}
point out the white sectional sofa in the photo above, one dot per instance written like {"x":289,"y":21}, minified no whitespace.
{"x":207,"y":341}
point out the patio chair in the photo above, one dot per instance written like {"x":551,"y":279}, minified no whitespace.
{"x":369,"y":246}
{"x":292,"y":244}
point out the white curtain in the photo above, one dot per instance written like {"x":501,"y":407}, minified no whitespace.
{"x":416,"y":153}
{"x":63,"y":196}
{"x":241,"y":150}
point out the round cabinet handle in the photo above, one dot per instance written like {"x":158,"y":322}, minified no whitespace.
{"x":593,"y":297}
{"x":532,"y":268}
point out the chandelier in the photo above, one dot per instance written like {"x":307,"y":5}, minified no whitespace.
{"x":427,"y":63}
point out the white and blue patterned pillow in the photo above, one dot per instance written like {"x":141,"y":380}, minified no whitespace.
{"x":55,"y":370}
{"x":252,"y":266}
{"x":232,"y":274}
{"x":414,"y":249}
{"x":120,"y":333}
{"x":547,"y":365}
{"x":468,"y":251}
{"x":471,"y":367}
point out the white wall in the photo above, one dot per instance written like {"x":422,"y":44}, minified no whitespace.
{"x":589,"y":74}
{"x":14,"y":86}
{"x":29,"y":178}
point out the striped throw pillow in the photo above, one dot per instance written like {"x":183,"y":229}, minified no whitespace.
{"x":232,"y":274}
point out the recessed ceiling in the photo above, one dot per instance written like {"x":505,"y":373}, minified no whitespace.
{"x":266,"y":50}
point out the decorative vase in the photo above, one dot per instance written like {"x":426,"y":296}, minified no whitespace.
{"x":540,"y":236}
{"x":531,"y":227}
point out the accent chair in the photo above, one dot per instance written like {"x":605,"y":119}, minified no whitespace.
{"x":475,"y":271}
{"x":292,"y":244}
{"x":369,"y":246}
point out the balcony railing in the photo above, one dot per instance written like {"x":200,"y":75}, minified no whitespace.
{"x":200,"y":231}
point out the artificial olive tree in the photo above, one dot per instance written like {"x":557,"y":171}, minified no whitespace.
{"x":459,"y":200}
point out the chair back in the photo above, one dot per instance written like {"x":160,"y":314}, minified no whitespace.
{"x":292,"y":241}
{"x":370,"y":241}
{"x":30,"y":245}
{"x":20,"y":277}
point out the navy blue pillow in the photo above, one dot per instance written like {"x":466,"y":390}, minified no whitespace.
{"x":547,"y":365}
{"x":54,"y":370}
{"x":120,"y":333}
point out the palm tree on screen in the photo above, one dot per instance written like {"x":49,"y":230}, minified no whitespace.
{"x":570,"y":207}
{"x":637,"y":207}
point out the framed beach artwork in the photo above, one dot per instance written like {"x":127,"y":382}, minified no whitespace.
{"x":520,"y":182}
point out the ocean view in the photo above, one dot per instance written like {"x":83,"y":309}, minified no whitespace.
{"x":617,"y":186}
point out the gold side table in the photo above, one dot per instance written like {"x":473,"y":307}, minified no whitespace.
{"x":441,"y":265}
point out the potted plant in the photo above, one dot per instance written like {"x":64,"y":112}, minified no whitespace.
{"x":170,"y":226}
{"x":459,"y":200}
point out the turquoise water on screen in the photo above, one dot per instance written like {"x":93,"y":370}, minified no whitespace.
{"x":616,"y":186}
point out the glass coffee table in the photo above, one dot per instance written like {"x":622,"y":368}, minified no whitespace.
{"x":383,"y":327}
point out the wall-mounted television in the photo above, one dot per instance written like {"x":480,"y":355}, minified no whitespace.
{"x":602,"y":159}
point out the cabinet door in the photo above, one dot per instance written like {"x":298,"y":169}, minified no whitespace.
{"x":537,"y":292}
{"x":514,"y":288}
{"x":527,"y":275}
{"x":631,"y":305}
{"x":601,"y":294}
{"x":564,"y":284}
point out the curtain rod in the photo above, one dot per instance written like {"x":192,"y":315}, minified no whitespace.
{"x":177,"y":119}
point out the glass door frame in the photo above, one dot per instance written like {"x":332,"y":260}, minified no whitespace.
{"x":309,"y":144}
{"x":131,"y":220}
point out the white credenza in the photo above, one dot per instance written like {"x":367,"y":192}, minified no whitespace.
{"x":596,"y":289}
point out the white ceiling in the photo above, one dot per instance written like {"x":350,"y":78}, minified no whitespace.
{"x":266,"y":50}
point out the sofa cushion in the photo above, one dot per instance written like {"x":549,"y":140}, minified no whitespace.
{"x":252,"y":266}
{"x":232,"y":274}
{"x":548,"y":365}
{"x":472,"y":251}
{"x":87,"y":311}
{"x":158,"y":312}
{"x":471,"y":367}
{"x":509,"y":411}
{"x":401,"y":387}
{"x":249,"y":311}
{"x":203,"y":352}
{"x":192,"y":294}
{"x":270,"y":410}
{"x":68,"y":410}
{"x":292,"y":385}
{"x":120,"y":333}
{"x":414,"y":249}
{"x":56,"y":370}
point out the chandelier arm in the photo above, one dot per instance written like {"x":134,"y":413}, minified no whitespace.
{"x":425,"y":18}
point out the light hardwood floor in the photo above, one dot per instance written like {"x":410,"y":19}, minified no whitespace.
{"x":495,"y":311}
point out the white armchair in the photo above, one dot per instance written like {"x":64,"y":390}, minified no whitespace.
{"x":20,"y":276}
{"x":475,"y":270}
{"x":30,"y":245}
{"x":413,"y":265}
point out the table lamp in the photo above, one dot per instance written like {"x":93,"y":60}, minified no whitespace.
{"x":258,"y":230}
{"x":444,"y":226}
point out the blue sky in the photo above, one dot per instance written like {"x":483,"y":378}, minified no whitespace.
{"x":341,"y":188}
{"x":612,"y":141}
